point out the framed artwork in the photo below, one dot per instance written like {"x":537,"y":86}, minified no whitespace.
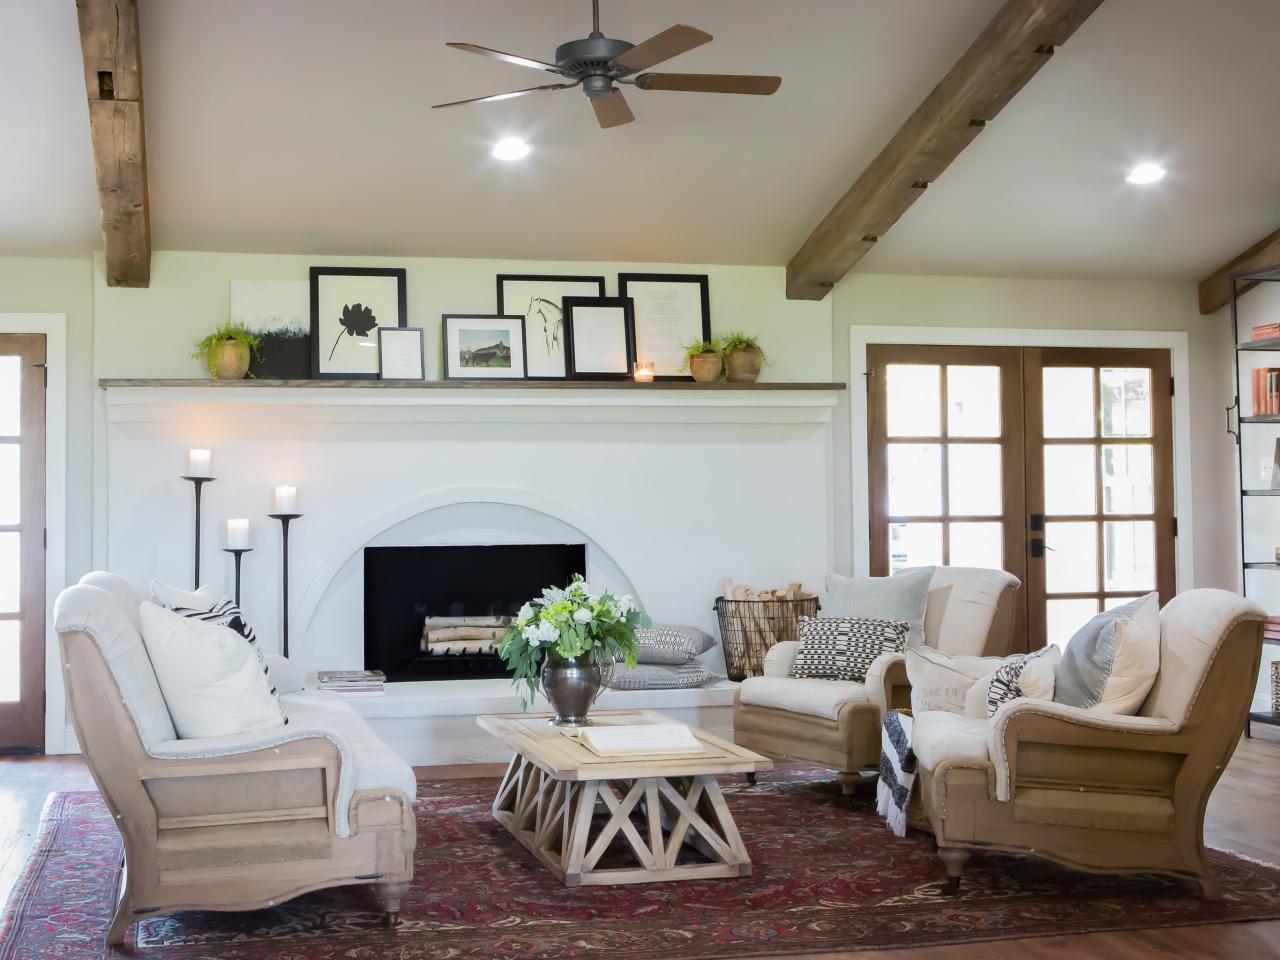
{"x":598,"y":336}
{"x":671,"y":309}
{"x":347,"y":305}
{"x":277,"y":312}
{"x":540,"y":300}
{"x":483,"y":347}
{"x":400,"y":354}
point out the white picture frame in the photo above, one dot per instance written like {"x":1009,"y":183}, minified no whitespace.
{"x":400,"y":354}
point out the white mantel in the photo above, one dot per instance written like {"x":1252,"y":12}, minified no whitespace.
{"x":671,"y":489}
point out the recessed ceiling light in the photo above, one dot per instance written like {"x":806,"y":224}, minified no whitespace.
{"x":510,"y":148}
{"x":1145,"y":173}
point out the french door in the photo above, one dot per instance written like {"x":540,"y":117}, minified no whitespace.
{"x":1054,"y":464}
{"x":22,"y":601}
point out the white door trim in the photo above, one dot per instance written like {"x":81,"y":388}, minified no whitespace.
{"x":1175,"y":341}
{"x":54,"y":328}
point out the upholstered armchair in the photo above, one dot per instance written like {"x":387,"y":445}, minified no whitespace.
{"x":226,"y":823}
{"x":1097,"y":791}
{"x":836,"y":723}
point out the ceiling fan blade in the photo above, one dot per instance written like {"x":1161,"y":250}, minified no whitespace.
{"x":505,"y":96}
{"x":505,"y":57}
{"x":613,"y":110}
{"x":663,"y":46}
{"x":709,"y":83}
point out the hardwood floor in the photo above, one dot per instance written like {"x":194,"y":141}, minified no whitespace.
{"x":1240,"y":818}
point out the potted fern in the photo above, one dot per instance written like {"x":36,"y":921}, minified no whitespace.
{"x":743,"y":357}
{"x":226,"y":351}
{"x":702,"y":360}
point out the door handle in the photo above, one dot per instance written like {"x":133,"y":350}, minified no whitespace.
{"x":1037,"y":547}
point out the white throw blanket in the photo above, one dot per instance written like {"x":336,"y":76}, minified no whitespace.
{"x":897,"y":771}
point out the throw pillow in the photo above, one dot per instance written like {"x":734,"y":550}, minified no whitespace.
{"x":167,"y":596}
{"x":211,"y":679}
{"x":671,"y":644}
{"x":657,"y":676}
{"x":1111,"y":663}
{"x":903,"y":597}
{"x":842,"y":648}
{"x":1030,"y":675}
{"x":940,"y":682}
{"x":226,"y":613}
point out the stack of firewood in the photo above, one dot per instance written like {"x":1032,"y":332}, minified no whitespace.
{"x":753,"y":620}
{"x":738,"y":591}
{"x":458,"y":635}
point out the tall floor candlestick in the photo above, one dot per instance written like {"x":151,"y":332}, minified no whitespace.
{"x":237,"y":552}
{"x":198,"y":482}
{"x":284,"y":519}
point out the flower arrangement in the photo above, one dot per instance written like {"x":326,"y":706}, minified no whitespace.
{"x":569,"y":623}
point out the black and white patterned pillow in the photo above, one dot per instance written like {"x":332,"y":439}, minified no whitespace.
{"x":670,"y":644}
{"x":843,"y":648}
{"x":1006,"y":682}
{"x":225,"y":613}
{"x":657,"y":676}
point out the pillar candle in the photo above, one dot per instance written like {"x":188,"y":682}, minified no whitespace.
{"x":286,"y":499}
{"x":238,"y":534}
{"x":199,"y":463}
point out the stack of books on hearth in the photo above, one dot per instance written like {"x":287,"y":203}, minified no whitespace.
{"x":1267,"y":331}
{"x":1266,"y":391}
{"x":1271,"y":629}
{"x":353,"y":683}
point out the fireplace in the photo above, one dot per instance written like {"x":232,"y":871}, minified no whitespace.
{"x":464,"y":594}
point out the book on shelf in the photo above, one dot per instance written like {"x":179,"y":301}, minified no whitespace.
{"x":1266,"y":331}
{"x":351,"y":676}
{"x":1266,"y":391}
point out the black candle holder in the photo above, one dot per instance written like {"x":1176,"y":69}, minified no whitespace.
{"x":284,"y":519}
{"x":237,"y":552}
{"x":198,"y":482}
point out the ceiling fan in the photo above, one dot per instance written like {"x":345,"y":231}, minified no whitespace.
{"x":598,"y":63}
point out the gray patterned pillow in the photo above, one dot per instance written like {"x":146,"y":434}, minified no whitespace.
{"x":656,"y":676}
{"x":842,"y":648}
{"x":671,"y":644}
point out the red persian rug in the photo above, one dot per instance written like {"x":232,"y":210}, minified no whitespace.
{"x":826,"y":878}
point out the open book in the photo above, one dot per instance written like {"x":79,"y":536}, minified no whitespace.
{"x":640,"y":740}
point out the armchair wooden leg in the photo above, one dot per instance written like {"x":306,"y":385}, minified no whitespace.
{"x":849,"y":783}
{"x":390,"y":894}
{"x":954,"y":860}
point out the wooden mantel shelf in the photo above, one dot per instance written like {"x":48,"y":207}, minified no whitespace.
{"x":466,"y":384}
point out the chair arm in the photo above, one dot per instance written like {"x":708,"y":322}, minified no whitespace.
{"x":887,"y":684}
{"x":1046,"y":722}
{"x":777,"y":661}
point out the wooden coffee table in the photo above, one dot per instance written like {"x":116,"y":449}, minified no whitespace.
{"x":567,"y":805}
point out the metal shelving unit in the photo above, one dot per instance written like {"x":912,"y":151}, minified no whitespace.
{"x":1240,"y":283}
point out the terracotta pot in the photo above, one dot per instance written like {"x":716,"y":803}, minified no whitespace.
{"x":706,"y":367}
{"x":744,"y":365}
{"x":230,"y":360}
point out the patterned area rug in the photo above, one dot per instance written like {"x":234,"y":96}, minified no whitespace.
{"x":826,"y":878}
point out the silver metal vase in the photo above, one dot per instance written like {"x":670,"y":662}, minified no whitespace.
{"x":572,"y":686}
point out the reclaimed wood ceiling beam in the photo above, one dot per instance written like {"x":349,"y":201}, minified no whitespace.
{"x":1017,"y":42}
{"x":113,"y":83}
{"x":1215,"y":289}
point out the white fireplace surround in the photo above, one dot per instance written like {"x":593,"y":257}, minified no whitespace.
{"x":670,"y":490}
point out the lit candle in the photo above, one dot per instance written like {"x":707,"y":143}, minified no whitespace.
{"x":643,"y":371}
{"x":286,"y":499}
{"x":238,"y":534}
{"x":198,"y":463}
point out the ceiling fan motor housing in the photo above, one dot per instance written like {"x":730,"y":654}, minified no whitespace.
{"x":591,"y":60}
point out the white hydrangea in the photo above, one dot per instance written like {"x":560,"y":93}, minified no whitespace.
{"x":624,"y":604}
{"x":525,"y":614}
{"x":540,"y":634}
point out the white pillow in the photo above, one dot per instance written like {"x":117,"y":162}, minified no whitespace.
{"x":210,"y":676}
{"x":1111,"y":663}
{"x":940,"y":682}
{"x":1029,"y":675}
{"x":899,"y":598}
{"x":167,"y":596}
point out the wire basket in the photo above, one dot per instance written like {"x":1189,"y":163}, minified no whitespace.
{"x":749,"y":628}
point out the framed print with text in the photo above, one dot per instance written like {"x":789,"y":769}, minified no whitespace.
{"x":540,"y":300}
{"x":483,"y":347}
{"x":347,"y":305}
{"x":671,"y":310}
{"x":598,"y":336}
{"x":400,"y":354}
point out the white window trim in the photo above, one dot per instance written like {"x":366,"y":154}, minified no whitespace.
{"x":1176,"y":342}
{"x":54,"y":328}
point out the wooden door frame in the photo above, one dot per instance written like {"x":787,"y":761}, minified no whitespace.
{"x":22,"y":722}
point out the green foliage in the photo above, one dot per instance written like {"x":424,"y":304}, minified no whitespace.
{"x":735,"y":340}
{"x":569,"y":623}
{"x":697,"y":349}
{"x":207,"y":348}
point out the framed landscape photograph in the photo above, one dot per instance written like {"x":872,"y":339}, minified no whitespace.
{"x":483,"y":347}
{"x":400,"y":354}
{"x":598,"y":334}
{"x":540,"y":300}
{"x":671,"y":310}
{"x":348,"y":304}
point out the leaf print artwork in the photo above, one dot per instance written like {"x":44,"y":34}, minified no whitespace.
{"x":357,"y":320}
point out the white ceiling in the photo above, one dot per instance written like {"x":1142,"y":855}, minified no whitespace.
{"x":303,"y":126}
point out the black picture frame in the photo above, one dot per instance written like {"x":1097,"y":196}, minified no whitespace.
{"x":402,"y":316}
{"x":623,"y":304}
{"x":507,"y":307}
{"x":702,"y":280}
{"x":422,"y":357}
{"x":515,"y":322}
